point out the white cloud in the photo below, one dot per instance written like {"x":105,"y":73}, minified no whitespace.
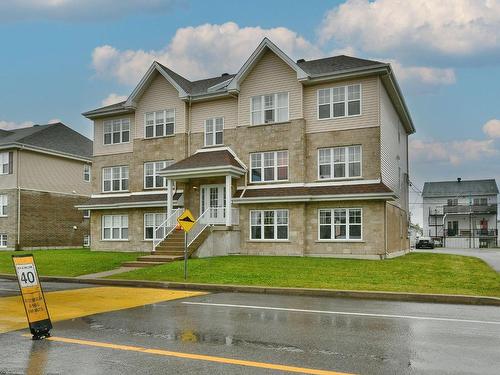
{"x":54,"y":121}
{"x":12,"y":10}
{"x":200,"y":52}
{"x":9,"y":125}
{"x":453,"y":152}
{"x":492,"y":128}
{"x":423,"y":74}
{"x":112,"y":99}
{"x":421,"y":29}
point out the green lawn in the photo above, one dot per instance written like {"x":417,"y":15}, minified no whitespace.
{"x":72,"y":262}
{"x":418,"y":273}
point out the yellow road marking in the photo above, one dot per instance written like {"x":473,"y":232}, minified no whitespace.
{"x":70,"y":304}
{"x":199,"y":357}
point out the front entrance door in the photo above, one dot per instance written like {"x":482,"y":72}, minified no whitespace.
{"x":213,"y":197}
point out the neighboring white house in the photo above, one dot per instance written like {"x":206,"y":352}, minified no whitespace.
{"x":461,"y":213}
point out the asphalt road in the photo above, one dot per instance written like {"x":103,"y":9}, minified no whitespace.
{"x":341,"y":335}
{"x":490,"y":256}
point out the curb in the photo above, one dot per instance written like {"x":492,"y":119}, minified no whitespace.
{"x":386,"y":296}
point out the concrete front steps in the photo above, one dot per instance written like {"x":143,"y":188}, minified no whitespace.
{"x":169,"y":250}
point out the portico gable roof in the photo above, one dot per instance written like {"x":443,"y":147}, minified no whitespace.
{"x":206,"y":163}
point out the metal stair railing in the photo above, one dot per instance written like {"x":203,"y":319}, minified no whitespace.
{"x":199,"y":225}
{"x":164,"y":229}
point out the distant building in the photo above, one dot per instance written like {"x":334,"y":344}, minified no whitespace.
{"x":44,"y":172}
{"x":461,"y":213}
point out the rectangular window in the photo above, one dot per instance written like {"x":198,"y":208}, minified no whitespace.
{"x":152,"y":225}
{"x":214,"y":131}
{"x":152,"y":179}
{"x":86,"y":214}
{"x":4,"y":163}
{"x":340,"y":224}
{"x":269,"y":166}
{"x":480,"y":201}
{"x":339,"y":162}
{"x":266,"y":109}
{"x":452,"y":202}
{"x":114,"y":227}
{"x":115,"y":179}
{"x":3,"y":205}
{"x":159,"y":123}
{"x":3,"y":240}
{"x":86,"y":172}
{"x":269,"y":225}
{"x":86,"y":240}
{"x":116,"y":131}
{"x":341,"y":101}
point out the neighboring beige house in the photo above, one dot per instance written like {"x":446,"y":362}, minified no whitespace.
{"x":45,"y":171}
{"x":304,"y":158}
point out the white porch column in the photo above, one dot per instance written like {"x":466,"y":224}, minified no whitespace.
{"x":169,"y":198}
{"x":228,"y":200}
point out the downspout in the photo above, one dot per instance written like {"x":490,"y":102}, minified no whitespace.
{"x":18,"y":244}
{"x":189,"y":129}
{"x":385,"y":231}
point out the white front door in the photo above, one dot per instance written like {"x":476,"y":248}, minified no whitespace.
{"x":213,"y":197}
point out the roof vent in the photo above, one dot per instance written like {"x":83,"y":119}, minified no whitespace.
{"x":224,"y":74}
{"x":35,"y":125}
{"x":459,"y":179}
{"x":301,"y":61}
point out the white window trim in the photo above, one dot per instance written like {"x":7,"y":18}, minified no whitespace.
{"x":121,"y":179}
{"x":111,"y":228}
{"x":154,"y":226}
{"x":164,"y":125}
{"x":86,"y":240}
{"x":155,"y":174}
{"x":275,"y":108}
{"x":85,"y":172}
{"x":275,"y":167}
{"x":347,"y":239}
{"x":2,"y":156}
{"x":346,"y":101}
{"x":275,"y":226}
{"x":346,"y":163}
{"x":214,"y":137}
{"x":6,"y":240}
{"x":3,"y":214}
{"x":121,"y":131}
{"x":85,"y":216}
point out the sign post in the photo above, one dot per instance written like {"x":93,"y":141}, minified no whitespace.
{"x":186,"y":221}
{"x":32,"y":295}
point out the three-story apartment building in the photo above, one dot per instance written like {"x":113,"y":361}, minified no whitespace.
{"x":44,"y":172}
{"x":284,"y":157}
{"x":461,"y":213}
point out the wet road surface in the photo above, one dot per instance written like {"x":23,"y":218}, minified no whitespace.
{"x":341,"y":335}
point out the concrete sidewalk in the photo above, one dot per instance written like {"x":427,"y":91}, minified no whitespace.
{"x":490,"y":256}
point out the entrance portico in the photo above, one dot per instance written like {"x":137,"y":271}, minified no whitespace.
{"x":208,"y":178}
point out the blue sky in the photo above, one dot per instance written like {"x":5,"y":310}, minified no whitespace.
{"x":60,"y":58}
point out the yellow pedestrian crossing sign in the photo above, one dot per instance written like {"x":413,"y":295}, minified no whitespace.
{"x":186,"y":220}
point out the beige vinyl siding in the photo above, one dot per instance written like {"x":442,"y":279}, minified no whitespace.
{"x":227,"y":108}
{"x":9,"y":181}
{"x":51,"y":173}
{"x":100,"y":148}
{"x":393,"y":153}
{"x":270,"y":75}
{"x":369,"y":107}
{"x":158,"y":96}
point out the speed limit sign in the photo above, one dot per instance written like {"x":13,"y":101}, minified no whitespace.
{"x":32,"y":294}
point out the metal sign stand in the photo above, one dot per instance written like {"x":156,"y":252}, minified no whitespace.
{"x":185,"y":254}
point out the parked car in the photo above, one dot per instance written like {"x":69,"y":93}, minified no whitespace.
{"x":425,"y":243}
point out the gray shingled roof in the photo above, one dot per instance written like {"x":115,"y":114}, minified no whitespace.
{"x":216,"y":158}
{"x":335,"y":64}
{"x":55,"y":137}
{"x":329,"y":65}
{"x":462,"y":188}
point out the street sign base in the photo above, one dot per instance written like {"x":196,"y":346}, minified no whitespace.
{"x":39,"y":335}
